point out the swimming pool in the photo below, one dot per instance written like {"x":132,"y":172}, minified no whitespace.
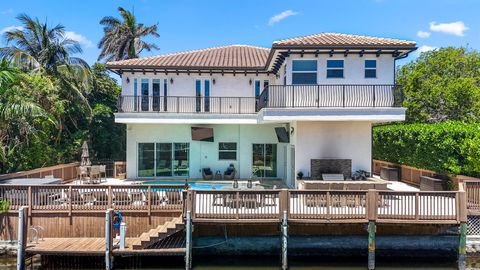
{"x":202,"y":185}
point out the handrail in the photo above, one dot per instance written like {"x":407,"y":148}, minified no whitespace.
{"x":272,"y":96}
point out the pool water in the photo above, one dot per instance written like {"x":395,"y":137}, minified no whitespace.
{"x":193,"y":184}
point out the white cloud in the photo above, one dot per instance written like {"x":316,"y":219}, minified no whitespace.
{"x":79,"y":38}
{"x":425,"y":48}
{"x":281,"y":16}
{"x":10,"y":28}
{"x":454,"y":28}
{"x":423,"y":34}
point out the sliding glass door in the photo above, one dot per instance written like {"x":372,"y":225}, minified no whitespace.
{"x":146,"y":162}
{"x":264,"y":158}
{"x":163,"y":159}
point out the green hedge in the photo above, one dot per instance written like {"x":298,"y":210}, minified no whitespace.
{"x":449,"y":147}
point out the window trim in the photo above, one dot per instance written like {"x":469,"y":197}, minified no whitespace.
{"x":335,"y":68}
{"x":228,"y":151}
{"x":369,"y":68}
{"x":305,"y":71}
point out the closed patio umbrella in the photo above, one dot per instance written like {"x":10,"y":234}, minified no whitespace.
{"x":85,"y":155}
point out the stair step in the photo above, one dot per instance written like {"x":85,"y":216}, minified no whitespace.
{"x":159,"y":233}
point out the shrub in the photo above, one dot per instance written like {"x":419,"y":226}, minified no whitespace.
{"x":446,"y":148}
{"x":4,"y":206}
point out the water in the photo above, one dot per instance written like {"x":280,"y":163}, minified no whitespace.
{"x":234,"y":263}
{"x":200,"y":185}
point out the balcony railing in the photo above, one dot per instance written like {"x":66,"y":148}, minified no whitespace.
{"x":337,"y":96}
{"x":186,"y":104}
{"x":273,"y":96}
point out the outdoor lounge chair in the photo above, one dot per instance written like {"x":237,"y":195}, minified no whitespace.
{"x":229,"y":174}
{"x":121,"y":198}
{"x":137,"y":197}
{"x":103,"y":172}
{"x":95,"y":174}
{"x":173,"y":197}
{"x":207,"y":174}
{"x":101,"y":197}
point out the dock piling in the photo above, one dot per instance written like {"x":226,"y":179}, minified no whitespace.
{"x":371,"y":245}
{"x":284,"y":241}
{"x":22,"y":237}
{"x":188,"y":240}
{"x":123,"y":235}
{"x":108,"y":239}
{"x":462,"y":248}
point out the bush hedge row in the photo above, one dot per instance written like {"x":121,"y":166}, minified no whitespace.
{"x":446,"y":148}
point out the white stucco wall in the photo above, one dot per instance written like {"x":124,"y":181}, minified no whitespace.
{"x":345,"y":140}
{"x":354,"y":69}
{"x":184,"y":84}
{"x":205,"y":154}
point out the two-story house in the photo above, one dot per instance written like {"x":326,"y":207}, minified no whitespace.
{"x":268,"y":111}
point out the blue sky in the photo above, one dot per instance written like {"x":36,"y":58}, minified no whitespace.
{"x":186,"y":25}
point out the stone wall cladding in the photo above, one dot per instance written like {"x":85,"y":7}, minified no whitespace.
{"x":319,"y":166}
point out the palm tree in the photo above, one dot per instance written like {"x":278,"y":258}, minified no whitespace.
{"x":123,"y":39}
{"x":35,"y":46}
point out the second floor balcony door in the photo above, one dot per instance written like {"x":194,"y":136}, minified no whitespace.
{"x":144,"y":92}
{"x":156,"y":94}
{"x":202,"y":93}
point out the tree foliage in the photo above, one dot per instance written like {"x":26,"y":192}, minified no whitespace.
{"x":448,"y":147}
{"x":123,"y":38}
{"x":442,"y":85}
{"x":50,"y":101}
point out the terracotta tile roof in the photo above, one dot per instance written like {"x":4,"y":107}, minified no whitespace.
{"x":342,"y":40}
{"x":225,"y":57}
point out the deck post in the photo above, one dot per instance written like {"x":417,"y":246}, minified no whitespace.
{"x":123,"y":235}
{"x":372,"y":197}
{"x":284,"y":240}
{"x":462,"y":246}
{"x":108,"y":239}
{"x":188,"y":240}
{"x":22,"y":237}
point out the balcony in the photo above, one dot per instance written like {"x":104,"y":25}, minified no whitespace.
{"x":274,"y":96}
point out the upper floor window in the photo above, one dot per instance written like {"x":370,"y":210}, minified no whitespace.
{"x":370,"y":68}
{"x":304,"y":72}
{"x":334,"y":68}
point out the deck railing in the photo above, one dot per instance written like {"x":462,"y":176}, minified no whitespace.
{"x":324,"y":96}
{"x":94,"y":198}
{"x":273,"y":96}
{"x":327,"y":206}
{"x":243,"y":206}
{"x":187,"y":104}
{"x":64,"y":171}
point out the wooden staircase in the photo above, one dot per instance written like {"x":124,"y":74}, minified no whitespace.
{"x":161,"y":232}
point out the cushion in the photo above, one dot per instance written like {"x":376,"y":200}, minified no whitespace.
{"x":333,"y":177}
{"x":229,"y":171}
{"x":207,"y":171}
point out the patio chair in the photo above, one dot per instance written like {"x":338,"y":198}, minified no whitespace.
{"x":137,"y":197}
{"x":101,"y":197}
{"x":103,"y":172}
{"x":173,"y":197}
{"x":229,"y":174}
{"x":76,"y":197}
{"x":121,"y":198}
{"x":95,"y":174}
{"x":207,"y":174}
{"x":82,"y":173}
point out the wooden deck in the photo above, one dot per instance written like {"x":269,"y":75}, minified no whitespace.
{"x":172,"y":246}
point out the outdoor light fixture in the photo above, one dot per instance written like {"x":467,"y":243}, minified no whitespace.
{"x":128,"y":80}
{"x":171,"y":80}
{"x":250,"y":82}
{"x":213,"y":80}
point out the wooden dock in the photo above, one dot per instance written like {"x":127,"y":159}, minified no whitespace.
{"x":172,"y":246}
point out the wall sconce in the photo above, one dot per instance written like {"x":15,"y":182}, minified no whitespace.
{"x":277,"y":76}
{"x":213,"y":80}
{"x":250,"y":82}
{"x":128,"y":80}
{"x":171,"y":80}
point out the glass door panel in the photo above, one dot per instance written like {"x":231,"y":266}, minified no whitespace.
{"x":270,"y":160}
{"x":163,"y":159}
{"x":180,"y":159}
{"x":146,"y":154}
{"x":258,"y":164}
{"x":156,"y":94}
{"x":144,"y":89}
{"x":198,"y":94}
{"x":264,"y":157}
{"x":207,"y":96}
{"x":165,"y":94}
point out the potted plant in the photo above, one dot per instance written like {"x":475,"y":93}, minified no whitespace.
{"x":300,"y":175}
{"x":360,"y":175}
